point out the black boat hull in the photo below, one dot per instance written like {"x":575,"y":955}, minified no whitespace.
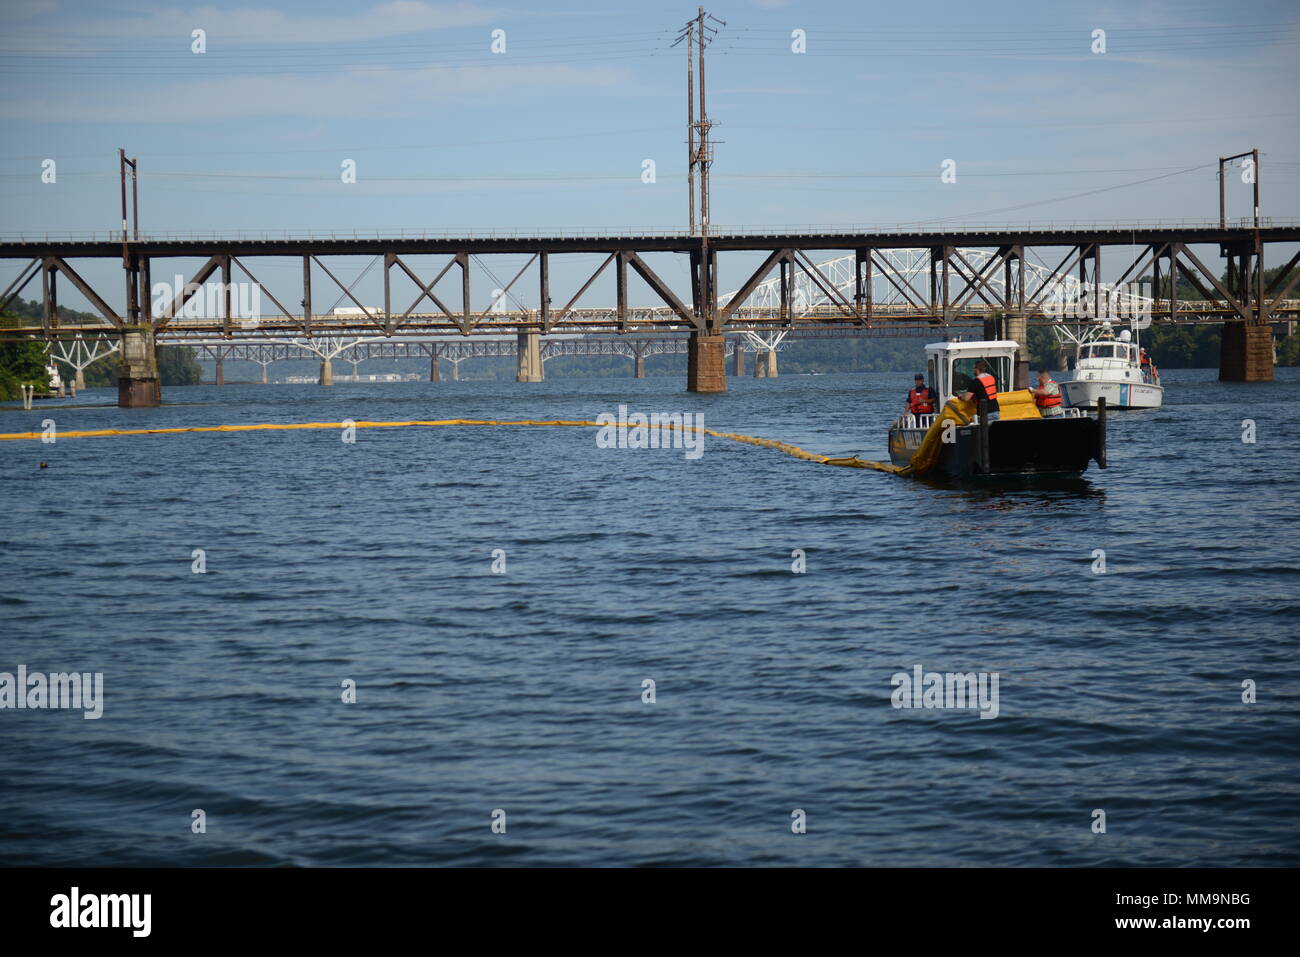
{"x":1017,"y":447}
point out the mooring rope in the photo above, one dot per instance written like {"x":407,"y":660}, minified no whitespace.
{"x":787,"y":448}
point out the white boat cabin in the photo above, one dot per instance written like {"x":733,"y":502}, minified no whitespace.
{"x":950,"y":366}
{"x":1108,"y":358}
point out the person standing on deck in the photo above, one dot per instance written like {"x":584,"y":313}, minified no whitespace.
{"x":921,"y":399}
{"x":1047,"y":396}
{"x":984,"y":381}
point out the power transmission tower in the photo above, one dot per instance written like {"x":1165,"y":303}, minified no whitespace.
{"x":698,"y":33}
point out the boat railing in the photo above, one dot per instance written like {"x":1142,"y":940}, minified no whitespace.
{"x":910,"y":420}
{"x":923,"y":421}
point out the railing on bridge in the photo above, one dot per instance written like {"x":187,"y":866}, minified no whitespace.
{"x":650,"y":232}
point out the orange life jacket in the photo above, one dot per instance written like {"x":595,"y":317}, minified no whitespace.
{"x":990,"y":385}
{"x":919,"y":404}
{"x":1047,"y":401}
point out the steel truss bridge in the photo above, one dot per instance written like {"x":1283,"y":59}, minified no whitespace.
{"x":77,"y":354}
{"x":892,"y":278}
{"x":357,"y":350}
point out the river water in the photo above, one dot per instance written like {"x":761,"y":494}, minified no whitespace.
{"x":522,"y":692}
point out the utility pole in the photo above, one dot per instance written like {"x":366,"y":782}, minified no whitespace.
{"x":123,"y":163}
{"x":1223,"y":161}
{"x":698,"y":32}
{"x":131,"y":267}
{"x":690,"y":119}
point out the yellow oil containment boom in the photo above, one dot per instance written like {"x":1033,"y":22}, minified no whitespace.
{"x":1014,"y":405}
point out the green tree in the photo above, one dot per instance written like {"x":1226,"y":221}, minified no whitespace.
{"x":176,"y":366}
{"x":1288,"y":350}
{"x":22,"y":363}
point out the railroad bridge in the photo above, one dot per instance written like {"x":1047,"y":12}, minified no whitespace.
{"x":1002,"y":277}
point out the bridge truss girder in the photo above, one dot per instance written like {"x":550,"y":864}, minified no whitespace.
{"x":938,"y":284}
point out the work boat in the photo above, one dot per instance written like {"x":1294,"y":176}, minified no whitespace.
{"x":1111,"y":366}
{"x":955,"y":442}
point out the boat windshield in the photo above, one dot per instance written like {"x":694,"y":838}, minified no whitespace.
{"x":963,"y":372}
{"x":1108,"y":351}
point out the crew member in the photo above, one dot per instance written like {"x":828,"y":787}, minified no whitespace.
{"x":921,"y":399}
{"x":988,"y":385}
{"x":1047,"y":396}
{"x":1147,"y":372}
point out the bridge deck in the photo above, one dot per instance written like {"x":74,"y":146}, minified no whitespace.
{"x":341,"y":243}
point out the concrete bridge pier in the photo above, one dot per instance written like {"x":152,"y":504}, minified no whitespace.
{"x":1062,"y":357}
{"x":455,"y":371}
{"x":528,"y":366}
{"x":738,"y":357}
{"x":79,"y":381}
{"x":640,"y":366}
{"x":139,"y":386}
{"x":765,"y":364}
{"x":326,"y":372}
{"x":435,"y":369}
{"x":220,"y":373}
{"x":1246,"y":352}
{"x":706,"y":363}
{"x":1017,"y":328}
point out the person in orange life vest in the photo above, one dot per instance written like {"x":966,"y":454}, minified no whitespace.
{"x":1047,"y":396}
{"x":921,"y":399}
{"x":1148,"y":370}
{"x":984,"y":380}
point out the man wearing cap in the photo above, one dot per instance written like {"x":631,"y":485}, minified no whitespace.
{"x":921,"y":399}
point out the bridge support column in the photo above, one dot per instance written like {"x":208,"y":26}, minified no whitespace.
{"x":265,"y":380}
{"x":1017,"y":328}
{"x":738,"y":358}
{"x":326,"y":372}
{"x":79,"y":381}
{"x":220,"y":373}
{"x":455,"y":372}
{"x":706,"y":363}
{"x":640,"y":366}
{"x":139,"y":386}
{"x":1062,"y":358}
{"x":529,"y":358}
{"x":1246,"y":352}
{"x":435,"y":369}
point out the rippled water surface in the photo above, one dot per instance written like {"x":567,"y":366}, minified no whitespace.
{"x":522,"y":691}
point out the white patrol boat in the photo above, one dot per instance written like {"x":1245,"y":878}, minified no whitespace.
{"x":1110,"y":366}
{"x":953,"y":441}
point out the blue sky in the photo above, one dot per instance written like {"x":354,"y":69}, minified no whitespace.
{"x":447,"y":135}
